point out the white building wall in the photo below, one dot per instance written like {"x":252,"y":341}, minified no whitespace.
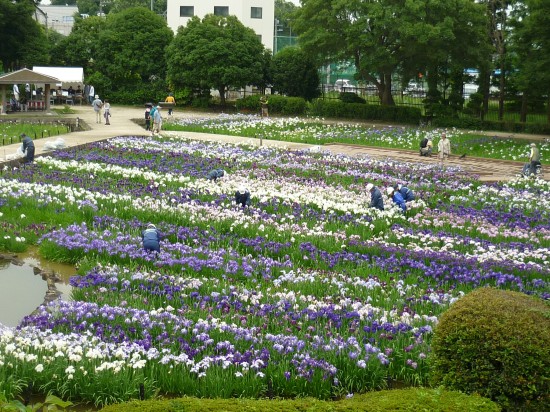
{"x":239,"y":8}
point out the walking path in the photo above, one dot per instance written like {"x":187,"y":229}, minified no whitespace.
{"x":122,"y":124}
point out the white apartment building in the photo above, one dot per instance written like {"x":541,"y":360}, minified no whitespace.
{"x":259,"y":15}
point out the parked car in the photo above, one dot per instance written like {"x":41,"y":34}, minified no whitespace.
{"x":344,"y":85}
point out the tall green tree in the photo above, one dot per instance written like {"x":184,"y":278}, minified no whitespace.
{"x":383,"y":37}
{"x":131,"y":49}
{"x":81,"y":47}
{"x":24,"y":40}
{"x":531,"y":46}
{"x":295,"y":73}
{"x":216,"y":52}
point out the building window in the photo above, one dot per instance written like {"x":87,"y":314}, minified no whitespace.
{"x":255,"y":12}
{"x":187,"y":11}
{"x":259,"y":36}
{"x":221,"y":10}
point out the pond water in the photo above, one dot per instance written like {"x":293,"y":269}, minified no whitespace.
{"x":22,"y":291}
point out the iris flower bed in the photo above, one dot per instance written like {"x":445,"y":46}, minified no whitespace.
{"x":316,"y":131}
{"x":307,"y":292}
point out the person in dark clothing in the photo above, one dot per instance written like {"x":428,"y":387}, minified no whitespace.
{"x":534,"y":159}
{"x":407,"y":193}
{"x":147,"y":117}
{"x":397,"y":198}
{"x":151,"y":238}
{"x":28,"y":147}
{"x":242,"y":197}
{"x":215,"y":174}
{"x":426,"y":147}
{"x":376,"y":200}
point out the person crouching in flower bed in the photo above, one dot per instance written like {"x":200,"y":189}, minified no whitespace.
{"x":397,"y":198}
{"x":215,"y":174}
{"x":151,"y":238}
{"x":376,"y":200}
{"x":408,"y":194}
{"x":242,"y":197}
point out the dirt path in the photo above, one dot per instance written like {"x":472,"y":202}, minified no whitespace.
{"x":122,"y":124}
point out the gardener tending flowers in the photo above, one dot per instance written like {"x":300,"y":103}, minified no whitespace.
{"x":376,"y":200}
{"x":151,"y":238}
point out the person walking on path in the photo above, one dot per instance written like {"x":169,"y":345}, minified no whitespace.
{"x":376,"y":200}
{"x":534,"y":158}
{"x":107,"y":111}
{"x":170,"y":99}
{"x":91,"y":94}
{"x":147,"y":118}
{"x":97,"y":104}
{"x":28,"y":148}
{"x":157,"y":121}
{"x":444,"y":148}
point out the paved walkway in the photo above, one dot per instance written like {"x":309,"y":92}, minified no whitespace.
{"x":122,"y":124}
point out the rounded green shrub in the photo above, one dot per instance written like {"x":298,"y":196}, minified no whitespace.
{"x":351,"y":97}
{"x":413,"y":400}
{"x":495,"y":343}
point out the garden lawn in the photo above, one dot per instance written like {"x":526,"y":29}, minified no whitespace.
{"x":318,"y":132}
{"x":309,"y":292}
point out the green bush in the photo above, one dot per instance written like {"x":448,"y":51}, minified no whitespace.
{"x":382,"y":401}
{"x":248,"y":103}
{"x":473,"y":123}
{"x":339,"y":109}
{"x":350,"y":97}
{"x":289,"y":106}
{"x":496,"y":343}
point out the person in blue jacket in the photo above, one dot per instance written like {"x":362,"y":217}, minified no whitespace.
{"x":215,"y":174}
{"x":242,"y":196}
{"x":397,"y":198}
{"x":407,"y":193}
{"x":376,"y":200}
{"x":151,"y":238}
{"x":28,"y":146}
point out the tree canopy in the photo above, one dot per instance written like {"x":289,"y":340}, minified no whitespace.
{"x":383,"y":37}
{"x":295,"y":74}
{"x":24,"y":40}
{"x":131,"y":47}
{"x":216,"y":52}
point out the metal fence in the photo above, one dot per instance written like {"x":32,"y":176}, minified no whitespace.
{"x":537,"y":109}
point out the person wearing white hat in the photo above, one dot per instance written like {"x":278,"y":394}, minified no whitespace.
{"x":397,"y":198}
{"x":376,"y":200}
{"x":242,"y":196}
{"x":534,"y":158}
{"x":151,"y":238}
{"x":97,"y":104}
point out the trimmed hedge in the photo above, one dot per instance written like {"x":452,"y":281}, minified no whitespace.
{"x":496,"y":343}
{"x":277,"y":104}
{"x":350,"y":97}
{"x":382,"y":401}
{"x":339,"y":109}
{"x":473,"y":123}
